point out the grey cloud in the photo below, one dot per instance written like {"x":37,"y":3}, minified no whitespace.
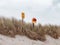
{"x":55,"y":2}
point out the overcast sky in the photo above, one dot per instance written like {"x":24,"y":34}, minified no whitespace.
{"x":46,"y":11}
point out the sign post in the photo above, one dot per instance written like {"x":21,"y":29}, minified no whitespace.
{"x":34,"y":21}
{"x":22,"y":16}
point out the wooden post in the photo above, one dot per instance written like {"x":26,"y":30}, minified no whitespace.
{"x":33,"y":25}
{"x":22,"y":24}
{"x":22,"y":21}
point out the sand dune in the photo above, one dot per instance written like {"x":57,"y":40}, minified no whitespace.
{"x":22,"y":40}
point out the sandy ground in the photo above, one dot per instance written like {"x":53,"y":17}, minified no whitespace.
{"x":22,"y":40}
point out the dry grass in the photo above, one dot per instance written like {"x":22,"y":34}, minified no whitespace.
{"x":12,"y":27}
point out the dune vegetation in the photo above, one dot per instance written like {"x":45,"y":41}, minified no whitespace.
{"x":12,"y":27}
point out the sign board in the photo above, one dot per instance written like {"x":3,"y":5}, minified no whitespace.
{"x":23,"y":15}
{"x":34,"y":20}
